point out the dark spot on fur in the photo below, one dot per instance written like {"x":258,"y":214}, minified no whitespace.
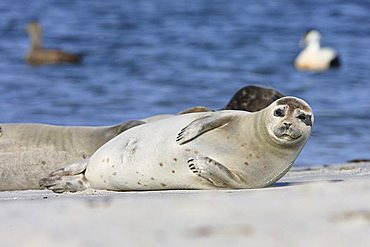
{"x":161,"y":164}
{"x":173,"y":171}
{"x":145,"y":185}
{"x":107,"y":160}
{"x":196,"y":152}
{"x":80,"y":182}
{"x":257,"y":157}
{"x":68,"y":183}
{"x":137,"y":172}
{"x":174,"y":159}
{"x":113,"y":166}
{"x":187,"y":150}
{"x":105,"y":181}
{"x":114,"y":173}
{"x":246,"y":163}
{"x":101,"y":176}
{"x":138,"y":183}
{"x":152,"y":178}
{"x":250,"y":155}
{"x":84,"y":156}
{"x":164,"y":185}
{"x":43,"y":162}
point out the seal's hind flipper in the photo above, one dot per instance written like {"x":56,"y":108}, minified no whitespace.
{"x":202,"y":125}
{"x":70,"y":178}
{"x":216,"y":173}
{"x":122,"y":127}
{"x":72,"y":169}
{"x":60,"y":184}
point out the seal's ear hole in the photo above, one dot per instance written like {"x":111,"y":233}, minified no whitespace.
{"x":279,"y":112}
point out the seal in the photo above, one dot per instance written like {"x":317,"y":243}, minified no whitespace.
{"x":252,"y":98}
{"x":313,"y":57}
{"x":206,"y":150}
{"x":30,"y":152}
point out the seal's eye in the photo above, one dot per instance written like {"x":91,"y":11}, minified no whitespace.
{"x":302,"y":117}
{"x":279,"y":113}
{"x":306,"y":119}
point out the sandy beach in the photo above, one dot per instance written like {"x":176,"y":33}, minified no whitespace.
{"x":310,"y":206}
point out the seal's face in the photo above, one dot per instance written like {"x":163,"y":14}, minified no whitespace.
{"x":291,"y":121}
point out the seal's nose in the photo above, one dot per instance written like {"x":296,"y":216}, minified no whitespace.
{"x":287,"y":125}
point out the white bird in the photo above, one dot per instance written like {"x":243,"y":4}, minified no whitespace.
{"x":313,"y":57}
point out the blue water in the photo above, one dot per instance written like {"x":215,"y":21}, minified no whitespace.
{"x":150,"y":57}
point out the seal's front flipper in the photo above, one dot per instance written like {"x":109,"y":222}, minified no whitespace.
{"x":216,"y":173}
{"x":60,"y":184}
{"x":70,"y":178}
{"x":202,"y":125}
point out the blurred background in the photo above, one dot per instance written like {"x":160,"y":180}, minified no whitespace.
{"x":150,"y":57}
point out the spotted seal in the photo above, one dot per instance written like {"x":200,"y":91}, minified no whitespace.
{"x":250,"y":98}
{"x":29,"y":152}
{"x":224,"y":149}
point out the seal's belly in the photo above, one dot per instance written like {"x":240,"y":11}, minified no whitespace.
{"x":151,"y":166}
{"x":147,"y":158}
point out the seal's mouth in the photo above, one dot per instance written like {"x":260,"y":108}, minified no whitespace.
{"x":288,"y":137}
{"x":287,"y":134}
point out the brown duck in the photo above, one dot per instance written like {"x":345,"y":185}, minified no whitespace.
{"x":38,"y":55}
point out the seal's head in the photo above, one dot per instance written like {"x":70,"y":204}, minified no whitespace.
{"x":290,"y":121}
{"x":252,"y":98}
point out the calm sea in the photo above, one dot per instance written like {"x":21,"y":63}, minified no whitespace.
{"x":150,"y":57}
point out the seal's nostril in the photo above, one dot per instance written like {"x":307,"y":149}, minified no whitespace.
{"x":287,"y":125}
